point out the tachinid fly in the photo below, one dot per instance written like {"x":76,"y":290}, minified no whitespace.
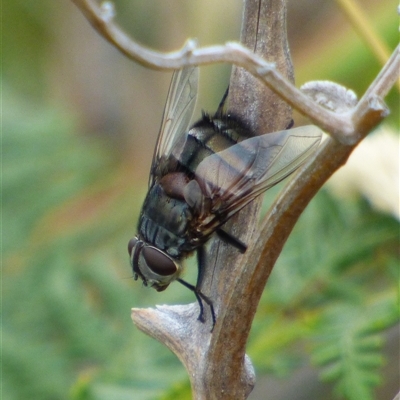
{"x":200,"y":177}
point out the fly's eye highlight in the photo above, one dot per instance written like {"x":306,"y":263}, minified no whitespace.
{"x":158,"y":262}
{"x":131,"y":245}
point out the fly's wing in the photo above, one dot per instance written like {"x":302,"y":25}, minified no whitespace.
{"x":230,"y":179}
{"x":178,"y":112}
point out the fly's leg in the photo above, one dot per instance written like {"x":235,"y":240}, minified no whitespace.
{"x":290,"y":125}
{"x":201,"y":255}
{"x":220,"y":110}
{"x":201,"y":262}
{"x":201,"y":265}
{"x":228,"y":238}
{"x":200,"y":298}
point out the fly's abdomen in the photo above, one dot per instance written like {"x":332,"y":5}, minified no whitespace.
{"x":206,"y":137}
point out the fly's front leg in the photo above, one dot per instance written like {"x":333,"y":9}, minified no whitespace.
{"x":201,"y":262}
{"x":196,"y":289}
{"x":199,"y":296}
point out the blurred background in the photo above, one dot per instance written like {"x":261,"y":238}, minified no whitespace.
{"x":79,"y":124}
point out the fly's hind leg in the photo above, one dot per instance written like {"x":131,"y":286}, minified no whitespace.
{"x":220,"y":110}
{"x":290,"y":124}
{"x":232,"y":240}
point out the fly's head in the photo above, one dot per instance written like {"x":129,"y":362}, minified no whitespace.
{"x":155,"y":267}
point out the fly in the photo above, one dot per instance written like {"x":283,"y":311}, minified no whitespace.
{"x":200,"y":177}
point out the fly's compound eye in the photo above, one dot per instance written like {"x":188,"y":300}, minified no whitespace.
{"x":131,"y":245}
{"x":158,"y":261}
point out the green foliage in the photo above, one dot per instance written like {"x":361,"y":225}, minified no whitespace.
{"x":334,"y":296}
{"x":66,"y":285}
{"x":178,"y":391}
{"x":43,"y":166}
{"x":349,"y":346}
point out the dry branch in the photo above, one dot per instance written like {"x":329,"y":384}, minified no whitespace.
{"x":236,"y":290}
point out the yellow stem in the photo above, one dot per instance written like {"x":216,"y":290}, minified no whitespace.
{"x":361,"y":23}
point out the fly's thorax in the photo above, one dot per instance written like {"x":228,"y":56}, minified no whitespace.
{"x":155,"y":267}
{"x":164,"y":222}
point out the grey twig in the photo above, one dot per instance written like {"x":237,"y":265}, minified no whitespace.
{"x":342,"y":127}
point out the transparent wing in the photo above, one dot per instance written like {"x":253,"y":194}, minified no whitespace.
{"x":233,"y":177}
{"x":178,"y":112}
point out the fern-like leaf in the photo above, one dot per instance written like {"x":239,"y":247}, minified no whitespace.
{"x":348,"y":347}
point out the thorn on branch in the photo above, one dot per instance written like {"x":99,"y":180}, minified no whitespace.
{"x":375,"y":103}
{"x":189,"y":46}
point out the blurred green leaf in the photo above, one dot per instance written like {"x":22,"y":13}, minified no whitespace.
{"x":335,"y":295}
{"x":349,"y":351}
{"x":179,"y":391}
